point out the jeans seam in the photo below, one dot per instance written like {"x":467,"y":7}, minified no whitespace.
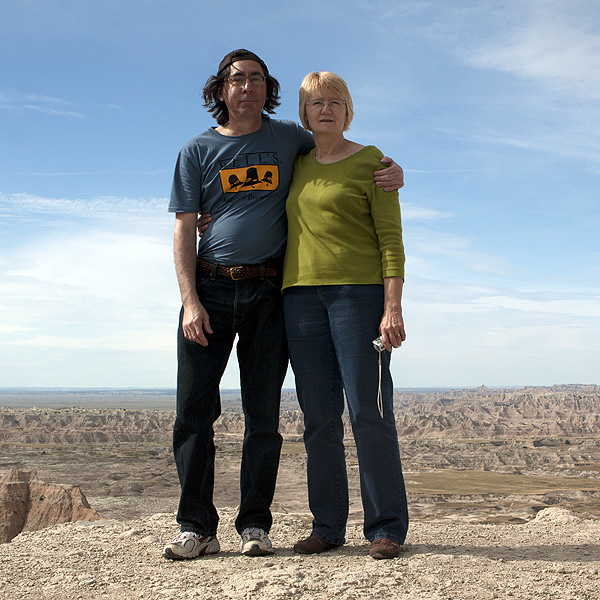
{"x":340,"y":525}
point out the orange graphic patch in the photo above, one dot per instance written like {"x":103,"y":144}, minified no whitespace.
{"x":258,"y":177}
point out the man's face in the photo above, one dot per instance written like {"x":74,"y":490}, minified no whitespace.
{"x":245,"y":90}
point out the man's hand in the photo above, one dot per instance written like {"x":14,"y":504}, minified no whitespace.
{"x":203,"y":220}
{"x":196,"y":324}
{"x":389,"y":179}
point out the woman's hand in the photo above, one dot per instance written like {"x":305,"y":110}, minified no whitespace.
{"x":392,"y":329}
{"x":392,"y":324}
{"x":203,"y":220}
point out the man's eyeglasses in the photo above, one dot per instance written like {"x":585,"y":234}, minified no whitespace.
{"x":317,"y":105}
{"x":239,"y":80}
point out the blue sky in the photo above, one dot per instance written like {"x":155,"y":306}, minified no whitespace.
{"x":491,"y":107}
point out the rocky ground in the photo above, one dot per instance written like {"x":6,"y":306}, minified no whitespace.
{"x":554,"y":556}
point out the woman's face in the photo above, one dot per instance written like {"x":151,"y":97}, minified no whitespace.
{"x":326,"y":113}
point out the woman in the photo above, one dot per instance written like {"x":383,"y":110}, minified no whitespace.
{"x":343,"y":277}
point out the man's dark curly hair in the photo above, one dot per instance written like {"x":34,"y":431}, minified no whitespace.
{"x":218,"y":109}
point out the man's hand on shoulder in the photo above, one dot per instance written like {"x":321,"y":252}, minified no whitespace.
{"x":390,"y":178}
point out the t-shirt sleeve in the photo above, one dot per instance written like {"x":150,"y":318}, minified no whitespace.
{"x":186,"y":190}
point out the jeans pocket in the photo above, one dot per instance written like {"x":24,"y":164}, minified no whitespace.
{"x":274,"y":282}
{"x":201,"y":278}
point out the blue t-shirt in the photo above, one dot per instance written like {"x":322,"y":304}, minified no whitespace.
{"x":243,"y":182}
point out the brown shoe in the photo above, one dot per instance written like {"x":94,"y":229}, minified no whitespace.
{"x":313,"y":544}
{"x":385,"y":548}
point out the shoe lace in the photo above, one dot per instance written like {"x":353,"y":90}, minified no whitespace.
{"x":185,"y":535}
{"x":254,"y":533}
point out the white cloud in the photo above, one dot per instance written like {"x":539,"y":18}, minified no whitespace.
{"x":412,"y":212}
{"x":10,"y":328}
{"x":87,"y":279}
{"x":100,"y":264}
{"x":111,"y":211}
{"x":141,"y":341}
{"x":462,"y":334}
{"x":567,"y":305}
{"x":18,"y":101}
{"x":541,"y":84}
{"x":435,"y":254}
{"x":555,"y":43}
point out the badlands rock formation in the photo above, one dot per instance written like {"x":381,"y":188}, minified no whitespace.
{"x":532,"y":412}
{"x":482,"y":455}
{"x":27,"y":504}
{"x":490,"y":474}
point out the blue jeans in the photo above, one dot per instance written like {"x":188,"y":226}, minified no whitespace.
{"x":330,"y":331}
{"x":252,"y":309}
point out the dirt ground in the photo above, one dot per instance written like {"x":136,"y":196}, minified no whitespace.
{"x":555,"y":556}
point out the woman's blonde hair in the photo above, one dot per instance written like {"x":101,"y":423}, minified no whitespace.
{"x":318,"y":82}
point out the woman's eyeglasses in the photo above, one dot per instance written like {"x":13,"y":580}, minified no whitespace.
{"x":317,"y":105}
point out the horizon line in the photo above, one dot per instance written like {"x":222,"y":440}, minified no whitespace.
{"x":4,"y":389}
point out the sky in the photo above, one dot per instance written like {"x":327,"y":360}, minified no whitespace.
{"x":492,"y":108}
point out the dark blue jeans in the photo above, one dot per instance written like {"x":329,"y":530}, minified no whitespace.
{"x":252,"y":309}
{"x":330,"y":331}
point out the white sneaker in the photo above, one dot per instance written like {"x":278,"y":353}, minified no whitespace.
{"x":189,"y":544}
{"x":256,"y":542}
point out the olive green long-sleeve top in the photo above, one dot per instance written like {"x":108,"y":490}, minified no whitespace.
{"x":342,"y":228}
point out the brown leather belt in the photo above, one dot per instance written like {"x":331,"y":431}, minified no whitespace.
{"x":268,"y":269}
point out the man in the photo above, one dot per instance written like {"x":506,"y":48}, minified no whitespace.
{"x":240,"y":173}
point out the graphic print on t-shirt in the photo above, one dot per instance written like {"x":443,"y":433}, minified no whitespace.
{"x":257,"y":177}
